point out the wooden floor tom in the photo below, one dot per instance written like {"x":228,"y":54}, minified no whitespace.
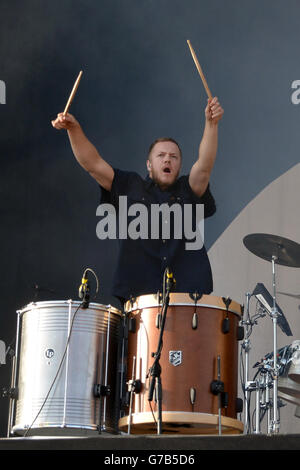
{"x":200,"y":346}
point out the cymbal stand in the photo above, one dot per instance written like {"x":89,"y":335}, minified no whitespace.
{"x":257,"y":408}
{"x":246,"y":345}
{"x":275,"y":423}
{"x":267,"y":398}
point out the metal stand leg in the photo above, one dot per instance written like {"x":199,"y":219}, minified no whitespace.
{"x":275,"y":425}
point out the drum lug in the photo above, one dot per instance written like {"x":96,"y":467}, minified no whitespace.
{"x":158,"y":321}
{"x":195,"y":321}
{"x":132,"y":325}
{"x":192,"y":395}
{"x":224,"y":399}
{"x":226,"y":326}
{"x":239,"y":405}
{"x":240,"y":333}
{"x":101,"y":390}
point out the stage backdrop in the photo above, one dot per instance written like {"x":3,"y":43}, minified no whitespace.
{"x":139,"y":82}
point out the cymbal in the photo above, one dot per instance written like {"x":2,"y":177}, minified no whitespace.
{"x":265,"y":246}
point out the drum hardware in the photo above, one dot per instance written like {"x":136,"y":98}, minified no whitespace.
{"x":195,"y":321}
{"x":134,"y":386}
{"x":37,"y":289}
{"x":239,"y":405}
{"x":131,"y":325}
{"x":10,"y":392}
{"x":195,"y":296}
{"x":240,"y":333}
{"x":227,"y":301}
{"x":225,"y":325}
{"x":277,"y":250}
{"x":266,"y":300}
{"x":192,"y":396}
{"x":226,"y":321}
{"x":247,"y":323}
{"x":102,"y":390}
{"x":263,"y":384}
{"x":130,"y":390}
{"x":217,"y":388}
{"x":262,"y":387}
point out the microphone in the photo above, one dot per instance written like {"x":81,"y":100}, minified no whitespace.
{"x":84,"y":290}
{"x":171,"y":281}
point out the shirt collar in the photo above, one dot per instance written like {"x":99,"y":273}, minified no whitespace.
{"x":149,"y":182}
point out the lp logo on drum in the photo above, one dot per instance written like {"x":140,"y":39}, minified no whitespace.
{"x":175,"y":358}
{"x":49,"y":353}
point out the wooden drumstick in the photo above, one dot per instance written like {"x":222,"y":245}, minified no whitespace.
{"x":199,"y":70}
{"x":71,"y":97}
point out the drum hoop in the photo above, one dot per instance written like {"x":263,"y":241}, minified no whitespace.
{"x":62,"y":303}
{"x":185,"y":418}
{"x":141,"y":303}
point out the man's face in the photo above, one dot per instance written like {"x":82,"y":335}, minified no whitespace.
{"x":164,"y":163}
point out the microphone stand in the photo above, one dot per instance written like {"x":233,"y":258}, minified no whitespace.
{"x":155,"y":370}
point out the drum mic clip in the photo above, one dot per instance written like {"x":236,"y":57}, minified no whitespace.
{"x":84,"y":291}
{"x":170,"y":280}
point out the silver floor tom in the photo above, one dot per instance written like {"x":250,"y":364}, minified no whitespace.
{"x":66,"y":369}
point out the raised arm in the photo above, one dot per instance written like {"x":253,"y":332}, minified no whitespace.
{"x":85,"y":152}
{"x":201,"y":170}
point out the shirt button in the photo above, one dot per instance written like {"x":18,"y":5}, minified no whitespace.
{"x":165,"y":259}
{"x":164,"y":241}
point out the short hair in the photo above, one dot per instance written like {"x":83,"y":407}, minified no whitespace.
{"x":163,"y":139}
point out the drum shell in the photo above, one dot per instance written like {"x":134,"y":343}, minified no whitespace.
{"x":294,"y":369}
{"x":200,"y":348}
{"x":52,"y":400}
{"x":288,"y":389}
{"x":288,"y":381}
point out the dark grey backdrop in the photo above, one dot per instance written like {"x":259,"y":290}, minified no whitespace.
{"x":139,"y":83}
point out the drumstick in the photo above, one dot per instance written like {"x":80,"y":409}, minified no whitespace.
{"x":71,"y":97}
{"x":199,"y":70}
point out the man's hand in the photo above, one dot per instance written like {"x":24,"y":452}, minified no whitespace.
{"x":213,"y":111}
{"x":67,"y":122}
{"x":84,"y":151}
